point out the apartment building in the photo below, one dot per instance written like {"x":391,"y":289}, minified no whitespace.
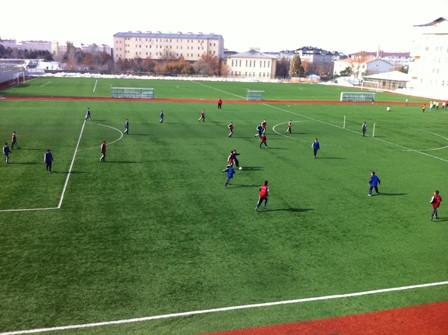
{"x":158,"y":45}
{"x":252,"y":64}
{"x":317,"y":61}
{"x":429,"y":69}
{"x":29,"y":45}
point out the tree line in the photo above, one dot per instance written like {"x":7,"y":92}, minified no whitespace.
{"x":95,"y":60}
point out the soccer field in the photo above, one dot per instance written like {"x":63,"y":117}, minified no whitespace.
{"x":152,"y":242}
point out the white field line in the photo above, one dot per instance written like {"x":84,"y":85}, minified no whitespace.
{"x":438,"y":135}
{"x":236,"y":95}
{"x":231,"y":308}
{"x":47,"y":83}
{"x":113,"y":128}
{"x":70,"y":169}
{"x":224,"y":309}
{"x":94,"y":86}
{"x":421,"y":152}
{"x":28,"y":209}
{"x":68,"y":173}
{"x":65,"y":184}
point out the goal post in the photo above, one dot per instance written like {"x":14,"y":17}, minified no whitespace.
{"x":358,"y":96}
{"x":132,"y":92}
{"x":254,"y":95}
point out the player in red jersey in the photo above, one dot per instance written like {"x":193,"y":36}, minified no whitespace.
{"x":263,"y":140}
{"x":435,"y":202}
{"x":263,"y":195}
{"x":230,"y":160}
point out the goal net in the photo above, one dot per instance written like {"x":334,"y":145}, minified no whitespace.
{"x":254,"y":95}
{"x":357,"y":96}
{"x":132,"y":92}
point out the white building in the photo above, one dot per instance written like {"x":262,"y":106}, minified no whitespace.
{"x":429,"y":69}
{"x":252,"y":64}
{"x":157,"y":45}
{"x":29,"y":45}
{"x":389,"y":81}
{"x":360,"y":67}
{"x":398,"y":59}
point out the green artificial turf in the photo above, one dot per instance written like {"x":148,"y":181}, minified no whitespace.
{"x":153,"y":230}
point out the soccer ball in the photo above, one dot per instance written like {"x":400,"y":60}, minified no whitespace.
{"x":240,"y":167}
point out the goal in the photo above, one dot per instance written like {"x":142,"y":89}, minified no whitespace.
{"x":132,"y":92}
{"x":254,"y":95}
{"x":357,"y":96}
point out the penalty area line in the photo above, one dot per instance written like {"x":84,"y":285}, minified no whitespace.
{"x":225,"y":309}
{"x":70,"y":169}
{"x":64,"y":188}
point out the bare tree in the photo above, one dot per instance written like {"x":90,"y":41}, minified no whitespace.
{"x":214,"y":64}
{"x":282,"y":69}
{"x":202,"y":68}
{"x":307,"y":67}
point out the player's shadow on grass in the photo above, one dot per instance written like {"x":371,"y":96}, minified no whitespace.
{"x":293,"y":210}
{"x":389,"y":194}
{"x":273,"y":148}
{"x":26,"y":163}
{"x":251,"y":168}
{"x":243,"y":185}
{"x":122,"y":162}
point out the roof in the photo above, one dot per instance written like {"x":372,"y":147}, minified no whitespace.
{"x":158,"y":34}
{"x":381,"y":54}
{"x":367,"y":60}
{"x":391,"y":76}
{"x":252,"y":54}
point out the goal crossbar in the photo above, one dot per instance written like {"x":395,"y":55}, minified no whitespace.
{"x":357,"y":96}
{"x":254,"y":95}
{"x":132,"y":92}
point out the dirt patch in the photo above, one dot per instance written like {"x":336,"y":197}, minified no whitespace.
{"x":208,"y":101}
{"x":429,"y":319}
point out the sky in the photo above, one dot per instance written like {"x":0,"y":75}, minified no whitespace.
{"x":346,"y":26}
